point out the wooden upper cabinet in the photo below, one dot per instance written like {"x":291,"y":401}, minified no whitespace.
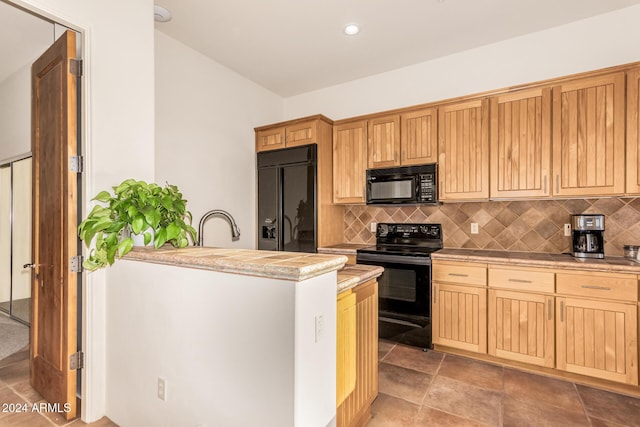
{"x":521,"y":144}
{"x":270,"y":139}
{"x":384,"y":141}
{"x":589,"y":136}
{"x":463,"y":147}
{"x":349,"y":162}
{"x":290,"y":134}
{"x":633,"y":132}
{"x":301,"y":134}
{"x":419,"y":137}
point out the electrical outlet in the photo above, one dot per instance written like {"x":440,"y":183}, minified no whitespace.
{"x":373,"y":226}
{"x":474,"y":228}
{"x":567,"y":230}
{"x":319,"y":327}
{"x":162,"y":389}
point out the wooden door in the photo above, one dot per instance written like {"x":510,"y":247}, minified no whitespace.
{"x":521,"y":143}
{"x":270,"y":139}
{"x":419,"y":137}
{"x":54,"y":286}
{"x":463,"y":150}
{"x":633,"y":132}
{"x":521,"y":327}
{"x":301,"y":134}
{"x":459,"y":317}
{"x":589,"y":136}
{"x":349,"y":162}
{"x":384,"y":142}
{"x":598,"y":338}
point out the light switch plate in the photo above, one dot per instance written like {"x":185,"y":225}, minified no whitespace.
{"x":373,"y":226}
{"x":474,"y":228}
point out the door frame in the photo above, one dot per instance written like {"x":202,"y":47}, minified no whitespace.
{"x":93,"y":334}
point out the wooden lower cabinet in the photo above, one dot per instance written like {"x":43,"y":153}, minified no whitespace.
{"x":598,"y":338}
{"x":521,"y":327}
{"x":355,"y":410}
{"x":345,"y":345}
{"x":459,"y":318}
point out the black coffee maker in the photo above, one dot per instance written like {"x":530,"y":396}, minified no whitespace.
{"x":588,"y":235}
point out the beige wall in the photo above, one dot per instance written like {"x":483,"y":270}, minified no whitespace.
{"x":205,"y":139}
{"x":597,"y":42}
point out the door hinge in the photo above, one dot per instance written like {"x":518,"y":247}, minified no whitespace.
{"x":75,"y":67}
{"x":75,"y":264}
{"x":76,"y":361}
{"x":76,"y":164}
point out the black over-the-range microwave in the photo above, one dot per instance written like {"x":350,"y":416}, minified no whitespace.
{"x":410,"y":185}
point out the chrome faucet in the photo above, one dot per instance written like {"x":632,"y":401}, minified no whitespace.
{"x":235,"y":231}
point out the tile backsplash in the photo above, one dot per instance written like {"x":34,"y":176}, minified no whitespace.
{"x":535,"y":226}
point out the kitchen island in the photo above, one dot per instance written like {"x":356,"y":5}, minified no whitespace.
{"x":238,"y":337}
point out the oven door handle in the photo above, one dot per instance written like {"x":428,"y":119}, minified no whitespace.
{"x":396,"y":259}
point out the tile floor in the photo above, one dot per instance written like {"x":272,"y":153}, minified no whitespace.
{"x":15,"y":388}
{"x":416,"y":389}
{"x":433,"y":389}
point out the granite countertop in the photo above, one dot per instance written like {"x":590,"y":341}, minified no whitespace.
{"x":536,"y":259}
{"x":295,"y":266}
{"x":352,"y":275}
{"x":342,"y":248}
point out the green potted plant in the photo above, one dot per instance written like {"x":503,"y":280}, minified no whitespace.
{"x":135,"y":208}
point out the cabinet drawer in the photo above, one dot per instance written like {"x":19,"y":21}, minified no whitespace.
{"x":609,"y":286}
{"x":522,"y":279}
{"x":463,"y":273}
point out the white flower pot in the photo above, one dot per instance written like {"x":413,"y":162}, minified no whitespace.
{"x":138,"y":239}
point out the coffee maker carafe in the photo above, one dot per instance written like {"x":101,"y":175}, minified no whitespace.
{"x":588,"y":236}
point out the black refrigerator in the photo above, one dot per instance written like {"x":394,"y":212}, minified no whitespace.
{"x":287,"y":204}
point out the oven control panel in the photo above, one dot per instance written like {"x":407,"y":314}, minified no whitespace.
{"x":411,"y":231}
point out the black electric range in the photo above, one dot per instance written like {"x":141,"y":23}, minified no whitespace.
{"x":404,"y":288}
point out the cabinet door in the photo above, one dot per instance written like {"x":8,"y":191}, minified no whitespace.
{"x":345,"y":346}
{"x":463,"y":147}
{"x":633,"y":132}
{"x":521,"y":327}
{"x":598,"y":338}
{"x":349,"y":162}
{"x":270,"y":139}
{"x":384,"y":142}
{"x":419,"y":137}
{"x":301,"y":134}
{"x":356,"y":408}
{"x":521,"y":143}
{"x":588,"y":136}
{"x":459,"y":317}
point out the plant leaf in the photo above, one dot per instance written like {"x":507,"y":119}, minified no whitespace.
{"x":173,"y":231}
{"x":138,"y":224}
{"x":161,"y":238}
{"x":153,"y":218}
{"x":125,"y":246}
{"x":103,"y":196}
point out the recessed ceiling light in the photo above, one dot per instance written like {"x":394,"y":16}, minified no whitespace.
{"x":351,"y":29}
{"x":160,"y":14}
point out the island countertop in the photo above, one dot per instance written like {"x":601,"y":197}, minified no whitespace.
{"x":352,"y":275}
{"x":533,"y":259}
{"x":296,"y":266}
